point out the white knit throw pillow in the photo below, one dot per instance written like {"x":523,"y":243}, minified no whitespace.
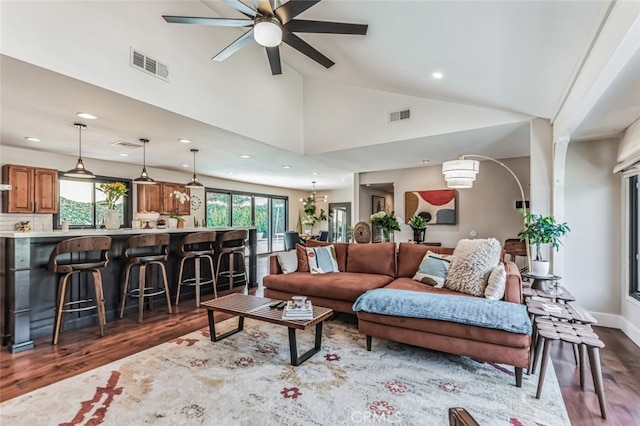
{"x":473,"y":262}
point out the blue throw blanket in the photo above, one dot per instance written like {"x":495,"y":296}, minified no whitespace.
{"x":485,"y":313}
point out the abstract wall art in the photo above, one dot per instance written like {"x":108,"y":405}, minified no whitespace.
{"x":438,"y":207}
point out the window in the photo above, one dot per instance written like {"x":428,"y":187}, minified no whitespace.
{"x":83,"y":206}
{"x":268,"y":213}
{"x":634,"y":236}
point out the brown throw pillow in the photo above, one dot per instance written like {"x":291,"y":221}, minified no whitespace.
{"x":303,"y":262}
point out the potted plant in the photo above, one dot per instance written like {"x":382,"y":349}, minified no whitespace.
{"x":113,"y":191}
{"x":540,"y":230}
{"x":388,"y":222}
{"x":310,"y":217}
{"x":419,"y":225}
{"x":176,"y":221}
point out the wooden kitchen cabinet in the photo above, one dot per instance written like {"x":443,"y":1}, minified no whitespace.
{"x":159,"y":198}
{"x":33,"y":190}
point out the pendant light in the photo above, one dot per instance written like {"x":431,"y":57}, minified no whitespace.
{"x":194,"y":180}
{"x":144,"y":178}
{"x":79,"y":171}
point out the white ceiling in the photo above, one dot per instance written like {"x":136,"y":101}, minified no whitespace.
{"x":513,"y":56}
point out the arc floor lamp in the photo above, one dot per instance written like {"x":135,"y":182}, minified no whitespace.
{"x":461,"y":173}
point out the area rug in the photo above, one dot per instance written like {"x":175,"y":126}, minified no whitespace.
{"x":247,"y":379}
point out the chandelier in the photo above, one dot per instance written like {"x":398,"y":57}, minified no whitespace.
{"x":313,"y":197}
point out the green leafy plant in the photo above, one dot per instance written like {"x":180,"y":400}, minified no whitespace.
{"x":387,"y":221}
{"x":310,"y":217}
{"x":175,"y":216}
{"x":417,"y":222}
{"x":540,"y":230}
{"x":113,"y":191}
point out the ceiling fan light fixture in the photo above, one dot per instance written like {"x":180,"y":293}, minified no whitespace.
{"x":267,"y":31}
{"x":79,"y":171}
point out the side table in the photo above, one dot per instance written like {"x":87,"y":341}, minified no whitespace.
{"x":540,"y":281}
{"x":563,"y":295}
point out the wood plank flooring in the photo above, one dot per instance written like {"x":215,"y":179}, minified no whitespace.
{"x":83,"y":350}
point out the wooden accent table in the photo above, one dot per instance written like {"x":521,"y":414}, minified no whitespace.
{"x":254,"y":307}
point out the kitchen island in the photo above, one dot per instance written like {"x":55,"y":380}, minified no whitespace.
{"x":28,"y":289}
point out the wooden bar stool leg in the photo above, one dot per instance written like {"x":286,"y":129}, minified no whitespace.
{"x":596,"y":372}
{"x":62,"y":291}
{"x":141,"y":285}
{"x":532,"y":348}
{"x":166,"y":285}
{"x":125,"y":291}
{"x":97,"y":285}
{"x":102,"y":300}
{"x":232,"y":261}
{"x":196,"y":262}
{"x":180,"y":279}
{"x":543,"y":367}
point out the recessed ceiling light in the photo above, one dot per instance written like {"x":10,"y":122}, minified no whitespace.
{"x":185,"y":165}
{"x":245,"y":156}
{"x":343,"y":179}
{"x":184,"y":141}
{"x":425,"y":161}
{"x":86,"y":115}
{"x":315,"y":173}
{"x":286,"y":166}
{"x":123,"y":154}
{"x":229,"y":173}
{"x":32,"y":139}
{"x":437,"y":75}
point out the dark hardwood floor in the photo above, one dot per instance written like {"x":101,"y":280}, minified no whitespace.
{"x":83,"y":350}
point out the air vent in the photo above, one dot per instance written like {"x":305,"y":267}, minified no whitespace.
{"x":404,"y":114}
{"x":125,"y":144}
{"x":149,"y":65}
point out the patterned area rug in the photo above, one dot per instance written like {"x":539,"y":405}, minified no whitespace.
{"x":247,"y":379}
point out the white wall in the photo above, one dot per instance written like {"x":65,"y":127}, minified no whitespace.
{"x":488,"y":208}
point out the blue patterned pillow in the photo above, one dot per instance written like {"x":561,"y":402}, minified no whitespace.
{"x":433,"y":269}
{"x":322,"y":259}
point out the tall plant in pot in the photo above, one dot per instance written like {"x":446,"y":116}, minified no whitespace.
{"x":540,"y":230}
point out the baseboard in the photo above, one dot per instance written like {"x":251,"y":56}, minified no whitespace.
{"x":619,"y":322}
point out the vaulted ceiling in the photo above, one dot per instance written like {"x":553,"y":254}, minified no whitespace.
{"x":503,"y":63}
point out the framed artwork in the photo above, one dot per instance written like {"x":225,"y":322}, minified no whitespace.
{"x":377,"y":203}
{"x":437,"y":207}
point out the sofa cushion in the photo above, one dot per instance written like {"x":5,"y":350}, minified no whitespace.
{"x":474,"y":261}
{"x":288,"y":261}
{"x":303,"y":261}
{"x":433,"y":269}
{"x":495,"y":314}
{"x":411,"y":285}
{"x":338,"y":285}
{"x":377,"y":258}
{"x":497,"y":283}
{"x":410,"y":255}
{"x":322,"y":260}
{"x":341,"y":252}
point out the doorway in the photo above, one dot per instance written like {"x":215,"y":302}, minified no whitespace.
{"x":339,"y":222}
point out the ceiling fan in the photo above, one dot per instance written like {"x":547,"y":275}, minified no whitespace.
{"x":270,"y":26}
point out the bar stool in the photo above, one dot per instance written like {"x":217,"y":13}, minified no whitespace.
{"x":197,"y":246}
{"x":231,"y":244}
{"x":91,"y":254}
{"x":142,"y":251}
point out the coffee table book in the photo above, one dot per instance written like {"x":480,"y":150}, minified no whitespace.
{"x":291,"y":312}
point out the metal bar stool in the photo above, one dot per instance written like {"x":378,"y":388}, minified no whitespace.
{"x":91,"y":254}
{"x":197,"y":246}
{"x":231,"y":244}
{"x":142,"y":251}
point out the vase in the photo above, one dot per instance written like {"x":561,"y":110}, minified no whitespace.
{"x":308,"y":229}
{"x":173,"y":223}
{"x":112,"y":219}
{"x":387,"y":236}
{"x":181,"y":224}
{"x":418,"y":235}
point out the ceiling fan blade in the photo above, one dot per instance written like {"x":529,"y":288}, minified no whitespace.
{"x":302,"y":26}
{"x":293,"y":8}
{"x":218,"y":22}
{"x":238,"y":44}
{"x":306,"y":49}
{"x":273,"y":53}
{"x":241,"y":7}
{"x":264,"y":7}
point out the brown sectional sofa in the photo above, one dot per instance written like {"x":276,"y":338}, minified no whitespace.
{"x":366,"y":267}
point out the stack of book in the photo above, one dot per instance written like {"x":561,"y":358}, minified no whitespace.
{"x":291,"y":312}
{"x":551,"y":308}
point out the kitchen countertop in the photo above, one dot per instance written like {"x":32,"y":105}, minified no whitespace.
{"x":121,"y":231}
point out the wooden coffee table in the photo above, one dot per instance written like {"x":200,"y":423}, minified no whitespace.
{"x":247,"y":306}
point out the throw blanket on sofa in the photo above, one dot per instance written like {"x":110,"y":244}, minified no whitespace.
{"x":485,"y":313}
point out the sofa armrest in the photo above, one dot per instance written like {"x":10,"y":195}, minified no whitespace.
{"x":274,"y":266}
{"x":513,"y":287}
